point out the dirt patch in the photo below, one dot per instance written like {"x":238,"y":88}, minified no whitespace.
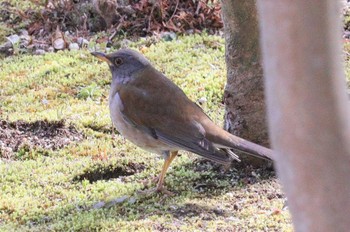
{"x":238,"y":174}
{"x":19,"y":135}
{"x":100,"y":172}
{"x":240,"y":170}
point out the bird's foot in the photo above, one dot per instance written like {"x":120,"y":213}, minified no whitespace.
{"x":156,"y":190}
{"x":165,"y":191}
{"x":147,"y":182}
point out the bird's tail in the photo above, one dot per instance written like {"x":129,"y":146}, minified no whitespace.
{"x":250,"y":148}
{"x":220,"y":155}
{"x":224,"y":139}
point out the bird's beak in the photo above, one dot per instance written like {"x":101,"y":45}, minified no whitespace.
{"x":101,"y":56}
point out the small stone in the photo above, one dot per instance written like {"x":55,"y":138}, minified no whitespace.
{"x":82,"y":42}
{"x":229,"y":194}
{"x":190,"y":32}
{"x":73,"y":46}
{"x":59,"y":44}
{"x":168,"y":36}
{"x":45,"y":101}
{"x":39,"y":52}
{"x":13,"y":38}
{"x":50,"y":49}
{"x":202,"y":100}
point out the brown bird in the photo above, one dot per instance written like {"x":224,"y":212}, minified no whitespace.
{"x":155,"y":114}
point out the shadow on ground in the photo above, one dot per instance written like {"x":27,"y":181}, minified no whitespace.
{"x":102,"y":172}
{"x":211,"y":181}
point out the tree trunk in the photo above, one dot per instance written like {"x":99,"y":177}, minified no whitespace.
{"x":308,"y":110}
{"x":244,"y":92}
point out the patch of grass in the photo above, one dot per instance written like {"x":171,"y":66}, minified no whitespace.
{"x":25,"y":5}
{"x":90,"y":92}
{"x":71,"y":189}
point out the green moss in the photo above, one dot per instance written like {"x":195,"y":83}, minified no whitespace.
{"x":42,"y":191}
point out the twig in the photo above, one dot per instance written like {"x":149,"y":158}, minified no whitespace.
{"x":150,"y":16}
{"x":198,"y":7}
{"x":177,"y":4}
{"x":112,"y":36}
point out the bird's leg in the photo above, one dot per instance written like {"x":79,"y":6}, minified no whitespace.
{"x":160,"y":178}
{"x":167,"y":162}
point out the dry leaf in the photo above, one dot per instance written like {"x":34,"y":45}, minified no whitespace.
{"x":57,"y":39}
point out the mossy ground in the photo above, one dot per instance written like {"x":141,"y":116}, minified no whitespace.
{"x":48,"y":191}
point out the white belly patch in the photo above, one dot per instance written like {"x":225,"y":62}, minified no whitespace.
{"x":130,"y":132}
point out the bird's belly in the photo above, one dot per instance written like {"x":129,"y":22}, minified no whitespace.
{"x":130,"y":132}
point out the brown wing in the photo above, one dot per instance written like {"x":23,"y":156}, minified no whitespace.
{"x":155,"y":105}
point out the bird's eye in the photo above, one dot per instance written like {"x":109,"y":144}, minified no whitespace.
{"x":118,"y":61}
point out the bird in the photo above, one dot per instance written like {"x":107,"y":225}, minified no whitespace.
{"x":152,"y":112}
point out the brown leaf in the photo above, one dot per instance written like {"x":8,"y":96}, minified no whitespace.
{"x":58,"y":40}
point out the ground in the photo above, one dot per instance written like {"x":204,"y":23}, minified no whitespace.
{"x":66,"y":169}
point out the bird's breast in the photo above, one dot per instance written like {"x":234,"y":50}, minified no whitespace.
{"x":131,"y":132}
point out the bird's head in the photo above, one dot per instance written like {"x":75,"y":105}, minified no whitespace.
{"x":124,"y":62}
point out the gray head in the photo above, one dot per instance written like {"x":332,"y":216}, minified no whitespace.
{"x":124,"y":62}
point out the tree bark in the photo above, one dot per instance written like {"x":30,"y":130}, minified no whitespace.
{"x":308,"y":110}
{"x":244,"y":92}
